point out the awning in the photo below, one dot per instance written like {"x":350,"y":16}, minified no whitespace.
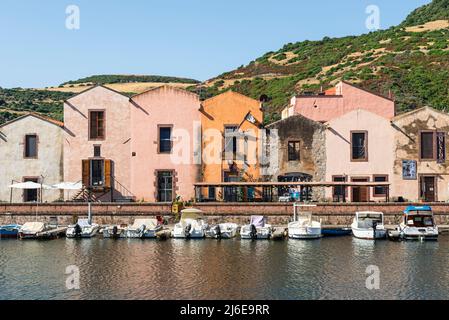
{"x":29,"y":185}
{"x":68,"y":186}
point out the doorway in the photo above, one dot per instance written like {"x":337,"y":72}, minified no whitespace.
{"x":360,"y":194}
{"x":31,"y":195}
{"x":428,"y":188}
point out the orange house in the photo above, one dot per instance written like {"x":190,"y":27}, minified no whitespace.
{"x":231,"y":126}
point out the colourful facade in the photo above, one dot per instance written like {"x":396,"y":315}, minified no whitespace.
{"x":344,"y":98}
{"x":171,"y":114}
{"x":231,"y":124}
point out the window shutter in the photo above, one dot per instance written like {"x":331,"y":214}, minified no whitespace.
{"x":86,"y":173}
{"x":107,"y":173}
{"x":441,"y":147}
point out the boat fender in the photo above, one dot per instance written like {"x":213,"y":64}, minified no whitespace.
{"x":187,"y":230}
{"x":253,"y":232}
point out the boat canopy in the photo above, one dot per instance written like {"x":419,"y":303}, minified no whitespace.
{"x":258,"y":221}
{"x":83,"y":222}
{"x":191,"y":214}
{"x":418,"y":210}
{"x":33,"y":227}
{"x":370,"y":215}
{"x":149,"y":223}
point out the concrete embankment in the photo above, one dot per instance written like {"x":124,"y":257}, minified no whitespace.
{"x":277,"y":213}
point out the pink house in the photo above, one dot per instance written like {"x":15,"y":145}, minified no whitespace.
{"x":333,"y":103}
{"x":165,"y":148}
{"x":97,"y":143}
{"x":138,"y":149}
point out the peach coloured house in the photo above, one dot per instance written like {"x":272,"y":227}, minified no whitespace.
{"x":345,"y":97}
{"x":97,"y":143}
{"x":165,"y":144}
{"x":231,"y":127}
{"x":359,"y":148}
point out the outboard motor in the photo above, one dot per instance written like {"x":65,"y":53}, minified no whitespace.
{"x":253,"y":233}
{"x":142,"y":230}
{"x":218,"y":231}
{"x":78,"y":231}
{"x":187,"y":230}
{"x":374,"y":229}
{"x":115,"y":232}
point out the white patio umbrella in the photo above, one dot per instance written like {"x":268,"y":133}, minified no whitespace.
{"x":68,"y":186}
{"x":29,"y":185}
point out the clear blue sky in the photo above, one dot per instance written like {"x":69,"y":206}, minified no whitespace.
{"x":187,"y":38}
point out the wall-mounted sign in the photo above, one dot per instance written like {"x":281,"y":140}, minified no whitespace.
{"x":409,"y":170}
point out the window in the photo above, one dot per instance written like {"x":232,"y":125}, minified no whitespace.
{"x":359,"y":146}
{"x":380,"y":191}
{"x":165,"y":143}
{"x":96,"y":125}
{"x":165,"y":186}
{"x":293,"y":151}
{"x":433,"y":146}
{"x":31,"y":146}
{"x":339,"y":192}
{"x":97,"y":173}
{"x":230,"y":148}
{"x":97,"y":151}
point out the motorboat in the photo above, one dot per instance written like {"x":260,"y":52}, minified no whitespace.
{"x":336,"y":232}
{"x":418,"y":224}
{"x":114,"y":231}
{"x":31,"y":230}
{"x":82,"y":229}
{"x":256,"y":229}
{"x":9,"y":231}
{"x":223,"y":231}
{"x":304,"y":227}
{"x":191,"y":225}
{"x":369,"y":225}
{"x":143,"y":228}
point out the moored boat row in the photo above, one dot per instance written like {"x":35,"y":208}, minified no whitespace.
{"x":417,"y":224}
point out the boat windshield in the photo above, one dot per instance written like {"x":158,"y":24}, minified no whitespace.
{"x":419,"y":221}
{"x":370,"y":216}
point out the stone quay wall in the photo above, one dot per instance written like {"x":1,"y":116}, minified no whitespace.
{"x":277,"y":213}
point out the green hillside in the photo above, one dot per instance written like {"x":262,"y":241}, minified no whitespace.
{"x":112,"y":78}
{"x":414,"y":65}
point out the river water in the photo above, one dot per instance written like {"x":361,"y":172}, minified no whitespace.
{"x":330,"y":268}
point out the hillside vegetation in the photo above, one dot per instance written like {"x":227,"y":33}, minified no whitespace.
{"x":410,"y":61}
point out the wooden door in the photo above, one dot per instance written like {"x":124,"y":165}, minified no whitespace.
{"x":428,"y":189}
{"x":360,"y":194}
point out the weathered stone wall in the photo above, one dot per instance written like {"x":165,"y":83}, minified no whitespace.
{"x":312,"y":138}
{"x":277,"y":213}
{"x":407,"y":129}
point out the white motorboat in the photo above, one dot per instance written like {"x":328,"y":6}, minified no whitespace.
{"x":114,"y":231}
{"x":369,"y":225}
{"x":256,"y":229}
{"x":418,"y":224}
{"x":304,"y":228}
{"x":223,"y":231}
{"x":191,"y":225}
{"x":82,"y":229}
{"x":30,"y":230}
{"x":143,"y":228}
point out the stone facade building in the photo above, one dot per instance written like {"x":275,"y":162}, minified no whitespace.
{"x":31,"y":150}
